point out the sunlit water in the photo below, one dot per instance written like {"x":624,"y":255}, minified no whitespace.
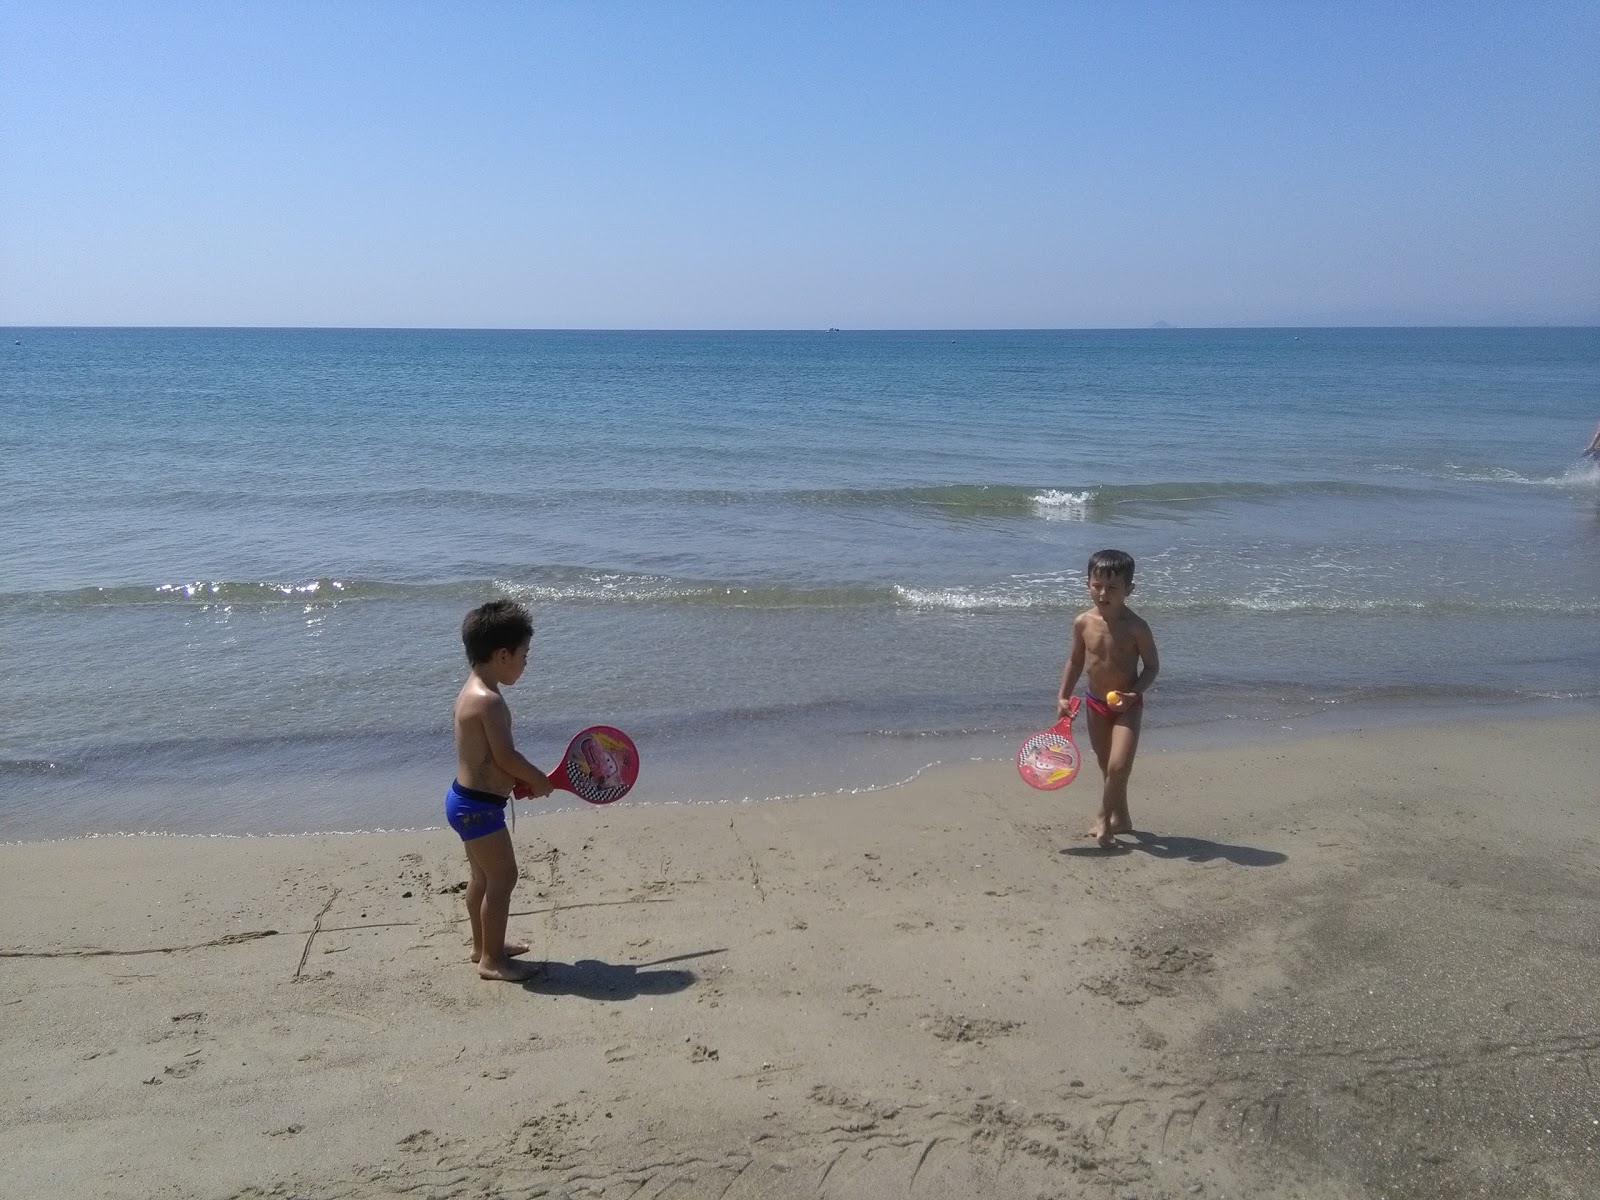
{"x":233,"y":563}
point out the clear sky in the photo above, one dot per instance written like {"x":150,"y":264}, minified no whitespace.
{"x":799,"y":165}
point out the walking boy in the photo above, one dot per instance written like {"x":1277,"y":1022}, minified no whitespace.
{"x":496,"y":636}
{"x":1116,"y":647}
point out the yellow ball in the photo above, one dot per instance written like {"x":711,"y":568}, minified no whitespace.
{"x":1113,"y":697}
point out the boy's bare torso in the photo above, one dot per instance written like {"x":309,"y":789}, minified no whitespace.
{"x":475,"y":765}
{"x":1111,"y":649}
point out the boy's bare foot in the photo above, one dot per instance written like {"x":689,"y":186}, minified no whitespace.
{"x":507,"y":971}
{"x":1103,"y":833}
{"x":514,"y":947}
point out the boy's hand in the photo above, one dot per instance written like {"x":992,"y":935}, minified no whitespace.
{"x":1063,"y":707}
{"x":1123,"y":701}
{"x":522,"y":789}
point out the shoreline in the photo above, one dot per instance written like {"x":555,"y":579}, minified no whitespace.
{"x":872,"y":762}
{"x":1336,"y":966}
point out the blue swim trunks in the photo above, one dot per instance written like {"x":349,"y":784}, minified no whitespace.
{"x":473,"y":814}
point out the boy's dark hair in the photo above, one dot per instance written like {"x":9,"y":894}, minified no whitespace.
{"x":1115,"y":563}
{"x":497,"y":625}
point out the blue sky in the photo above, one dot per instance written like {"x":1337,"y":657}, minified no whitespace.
{"x":766,"y":165}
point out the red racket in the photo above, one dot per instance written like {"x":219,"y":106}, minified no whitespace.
{"x":1049,"y":759}
{"x":600,"y":766}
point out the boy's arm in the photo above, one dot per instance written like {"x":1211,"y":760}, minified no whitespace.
{"x":1149,"y":660}
{"x":1070,"y":672}
{"x":497,"y":728}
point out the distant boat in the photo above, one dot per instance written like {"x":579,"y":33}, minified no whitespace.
{"x":833,"y":329}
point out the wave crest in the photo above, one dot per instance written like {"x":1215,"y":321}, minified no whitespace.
{"x":1047,"y":593}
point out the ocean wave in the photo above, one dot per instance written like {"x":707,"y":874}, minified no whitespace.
{"x":1579,"y":475}
{"x":988,"y":599}
{"x":1004,"y":600}
{"x":622,"y":588}
{"x":1048,"y":593}
{"x":1055,"y":505}
{"x":32,"y":768}
{"x":221,"y":592}
{"x":553,"y":585}
{"x":1584,"y":474}
{"x":1454,"y":606}
{"x":1053,"y":501}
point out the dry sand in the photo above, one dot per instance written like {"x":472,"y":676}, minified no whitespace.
{"x":1344,"y":967}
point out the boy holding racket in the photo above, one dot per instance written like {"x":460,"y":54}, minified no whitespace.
{"x":496,"y":636}
{"x":1114,"y":645}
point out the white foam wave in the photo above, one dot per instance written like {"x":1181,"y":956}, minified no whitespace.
{"x":1579,"y":475}
{"x":1054,"y":505}
{"x":602,"y":586}
{"x":1341,"y":605}
{"x":1026,"y":597}
{"x":203,"y":589}
{"x":960,"y":599}
{"x":1584,"y":474}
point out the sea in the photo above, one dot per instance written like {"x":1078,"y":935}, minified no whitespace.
{"x":234,"y":562}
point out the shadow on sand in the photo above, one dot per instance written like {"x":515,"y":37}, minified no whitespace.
{"x":1171,"y":845}
{"x":595,"y":980}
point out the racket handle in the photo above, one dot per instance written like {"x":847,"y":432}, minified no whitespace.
{"x":1073,"y":704}
{"x":521,"y":791}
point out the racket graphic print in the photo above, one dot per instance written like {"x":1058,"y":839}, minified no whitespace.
{"x":1049,"y":759}
{"x":601,"y":765}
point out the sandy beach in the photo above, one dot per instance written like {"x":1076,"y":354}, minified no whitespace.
{"x":1337,"y":967}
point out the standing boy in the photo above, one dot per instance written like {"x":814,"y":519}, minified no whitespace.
{"x":1116,"y":647}
{"x":496,"y":636}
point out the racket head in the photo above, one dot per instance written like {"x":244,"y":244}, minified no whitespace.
{"x":600,"y":766}
{"x":1049,"y":759}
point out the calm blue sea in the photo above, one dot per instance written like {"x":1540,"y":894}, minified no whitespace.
{"x":233,"y":563}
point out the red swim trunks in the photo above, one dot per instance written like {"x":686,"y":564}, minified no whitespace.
{"x":1101,"y":709}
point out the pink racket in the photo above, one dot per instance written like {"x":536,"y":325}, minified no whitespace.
{"x":600,"y":766}
{"x":1049,"y":759}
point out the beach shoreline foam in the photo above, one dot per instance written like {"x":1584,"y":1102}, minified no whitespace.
{"x":1335,"y":967}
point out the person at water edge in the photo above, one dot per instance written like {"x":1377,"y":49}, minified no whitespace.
{"x":1592,"y":450}
{"x":1115,"y":646}
{"x":496,"y":636}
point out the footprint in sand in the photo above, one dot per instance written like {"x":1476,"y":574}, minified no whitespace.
{"x":182,"y":1070}
{"x":966,"y":1029}
{"x":422,"y":1141}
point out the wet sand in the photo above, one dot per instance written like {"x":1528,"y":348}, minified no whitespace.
{"x":1340,"y":967}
